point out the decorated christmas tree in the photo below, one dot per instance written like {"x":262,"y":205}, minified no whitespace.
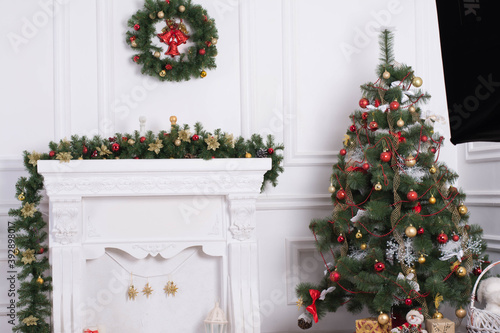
{"x":399,"y":234}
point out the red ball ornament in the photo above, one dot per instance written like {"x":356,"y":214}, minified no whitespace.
{"x":455,"y":238}
{"x":477,"y":271}
{"x":201,"y":51}
{"x":366,"y":166}
{"x":340,"y":194}
{"x":386,"y":156}
{"x":408,"y":301}
{"x":115,"y":147}
{"x":168,"y":67}
{"x":94,"y":153}
{"x":442,"y":238}
{"x":52,"y":153}
{"x":353,"y":128}
{"x":136,"y":58}
{"x":364,"y":102}
{"x":136,"y":158}
{"x":364,"y":116}
{"x":343,"y":152}
{"x":394,"y":106}
{"x":208,"y":43}
{"x":137,"y":27}
{"x":420,"y":231}
{"x":424,"y":138}
{"x":376,"y":103}
{"x":195,"y":137}
{"x":270,"y":151}
{"x":85,"y":150}
{"x":111,"y":139}
{"x":432,"y":150}
{"x":142,"y":139}
{"x":124,"y":138}
{"x":379,"y":266}
{"x":412,"y":196}
{"x":418,"y":208}
{"x":41,"y":250}
{"x":132,"y":38}
{"x":340,"y":239}
{"x":335,"y":276}
{"x":373,"y":126}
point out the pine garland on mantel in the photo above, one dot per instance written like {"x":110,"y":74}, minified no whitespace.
{"x":34,"y":306}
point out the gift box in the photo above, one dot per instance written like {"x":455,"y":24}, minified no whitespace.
{"x":440,"y":326}
{"x":371,"y":325}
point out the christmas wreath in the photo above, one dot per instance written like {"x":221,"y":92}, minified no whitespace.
{"x":184,"y":24}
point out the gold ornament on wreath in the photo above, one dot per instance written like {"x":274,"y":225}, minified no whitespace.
{"x":182,"y":49}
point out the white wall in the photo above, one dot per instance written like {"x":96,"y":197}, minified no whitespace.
{"x":283,"y":68}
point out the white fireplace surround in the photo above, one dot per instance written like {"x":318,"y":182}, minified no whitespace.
{"x":230,"y":186}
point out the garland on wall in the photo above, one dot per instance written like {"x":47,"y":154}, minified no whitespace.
{"x":184,"y":23}
{"x":34,"y":305}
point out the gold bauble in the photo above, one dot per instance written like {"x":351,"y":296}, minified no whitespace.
{"x":156,"y":54}
{"x":177,"y":142}
{"x":359,"y":235}
{"x":331,"y":189}
{"x":214,"y":41}
{"x":133,"y":43}
{"x":437,"y":315}
{"x":363,"y":246}
{"x":461,"y":271}
{"x":173,"y":120}
{"x":400,"y":122}
{"x":433,"y":169}
{"x":411,"y":270}
{"x":410,"y":161}
{"x":182,"y":9}
{"x":421,"y":259}
{"x":16,"y":251}
{"x":152,"y":16}
{"x":163,"y":73}
{"x":383,"y":318}
{"x":378,"y":187}
{"x":412,"y":109}
{"x":39,"y":280}
{"x":460,"y":313}
{"x":432,"y":200}
{"x":248,"y":155}
{"x":417,"y":81}
{"x":411,"y":231}
{"x":386,"y":75}
{"x":21,"y":197}
{"x":161,"y":14}
{"x":462,"y":209}
{"x":203,"y":74}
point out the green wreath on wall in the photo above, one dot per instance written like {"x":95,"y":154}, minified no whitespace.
{"x":184,"y":22}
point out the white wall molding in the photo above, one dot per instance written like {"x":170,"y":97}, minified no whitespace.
{"x":294,"y":247}
{"x":478,"y":152}
{"x":483,"y":198}
{"x":11,"y":163}
{"x":493,"y":242}
{"x":294,"y":202}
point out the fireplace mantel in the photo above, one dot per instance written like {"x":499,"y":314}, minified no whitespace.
{"x":78,"y":231}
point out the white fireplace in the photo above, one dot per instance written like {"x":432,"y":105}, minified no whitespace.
{"x":115,"y":223}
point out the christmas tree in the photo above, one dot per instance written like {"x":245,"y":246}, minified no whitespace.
{"x":399,"y":234}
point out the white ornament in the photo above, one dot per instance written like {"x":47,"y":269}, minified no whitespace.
{"x":325,"y":292}
{"x":142,"y":122}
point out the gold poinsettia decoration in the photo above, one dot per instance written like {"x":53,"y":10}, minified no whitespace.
{"x":28,"y":210}
{"x":131,"y":142}
{"x":229,"y":139}
{"x":30,"y":321}
{"x":185,"y":135}
{"x":34,"y":157}
{"x":103,"y":150}
{"x":156,"y":147}
{"x":212,"y":143}
{"x":64,"y":143}
{"x":64,"y":157}
{"x":28,"y":257}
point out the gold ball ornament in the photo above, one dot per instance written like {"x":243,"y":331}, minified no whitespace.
{"x":460,"y":313}
{"x":39,"y":280}
{"x":411,"y":270}
{"x":400,"y":122}
{"x":383,"y":318}
{"x":21,"y":197}
{"x":133,"y":43}
{"x":359,"y":235}
{"x":412,"y":109}
{"x":152,"y":16}
{"x":16,"y":251}
{"x":386,"y":75}
{"x":410,"y":161}
{"x":461,"y":271}
{"x":433,"y":169}
{"x":163,"y":73}
{"x":437,"y":315}
{"x":248,"y":155}
{"x":363,"y":246}
{"x":173,"y":120}
{"x":161,"y":14}
{"x":177,"y":142}
{"x":203,"y":74}
{"x":331,"y":189}
{"x":378,"y":187}
{"x":214,"y":41}
{"x":462,"y":209}
{"x":417,"y":81}
{"x":421,"y":259}
{"x":156,"y":54}
{"x":411,"y":231}
{"x":432,"y":200}
{"x":182,"y":9}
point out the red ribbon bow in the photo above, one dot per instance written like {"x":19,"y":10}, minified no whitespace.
{"x":418,"y":208}
{"x":312,"y":308}
{"x":400,"y":138}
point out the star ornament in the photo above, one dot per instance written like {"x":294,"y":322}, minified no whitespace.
{"x":132,"y":292}
{"x":170,"y":288}
{"x":300,"y":303}
{"x":28,"y":257}
{"x":30,"y":321}
{"x":33,"y":158}
{"x":28,"y":210}
{"x":156,"y":147}
{"x":147,"y":291}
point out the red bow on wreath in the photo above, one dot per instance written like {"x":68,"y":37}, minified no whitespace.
{"x":400,"y":138}
{"x":312,"y":308}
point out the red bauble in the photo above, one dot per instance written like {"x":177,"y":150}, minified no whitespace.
{"x":208,"y":43}
{"x":343,"y":152}
{"x":442,"y":238}
{"x":455,"y":238}
{"x":94,"y":153}
{"x":136,"y":58}
{"x":366,"y":166}
{"x":386,"y":156}
{"x":432,"y":150}
{"x":41,"y":250}
{"x":364,"y":116}
{"x":195,"y":137}
{"x":335,"y":276}
{"x":111,"y":139}
{"x":340,"y":239}
{"x":420,"y":231}
{"x":137,"y":27}
{"x":408,"y":301}
{"x":270,"y":151}
{"x":201,"y":51}
{"x":142,"y":139}
{"x":477,"y":271}
{"x":353,"y":128}
{"x":168,"y":67}
{"x":52,"y":153}
{"x":364,"y":102}
{"x":377,"y":103}
{"x":373,"y":126}
{"x":85,"y":150}
{"x":424,"y":138}
{"x":340,"y":194}
{"x":124,"y":138}
{"x":132,"y":38}
{"x":136,"y":158}
{"x":418,"y":208}
{"x":394,"y":106}
{"x":412,"y":196}
{"x":115,"y":147}
{"x":379,"y":267}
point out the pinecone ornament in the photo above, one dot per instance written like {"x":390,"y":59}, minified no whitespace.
{"x":305,"y":321}
{"x":261,"y":153}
